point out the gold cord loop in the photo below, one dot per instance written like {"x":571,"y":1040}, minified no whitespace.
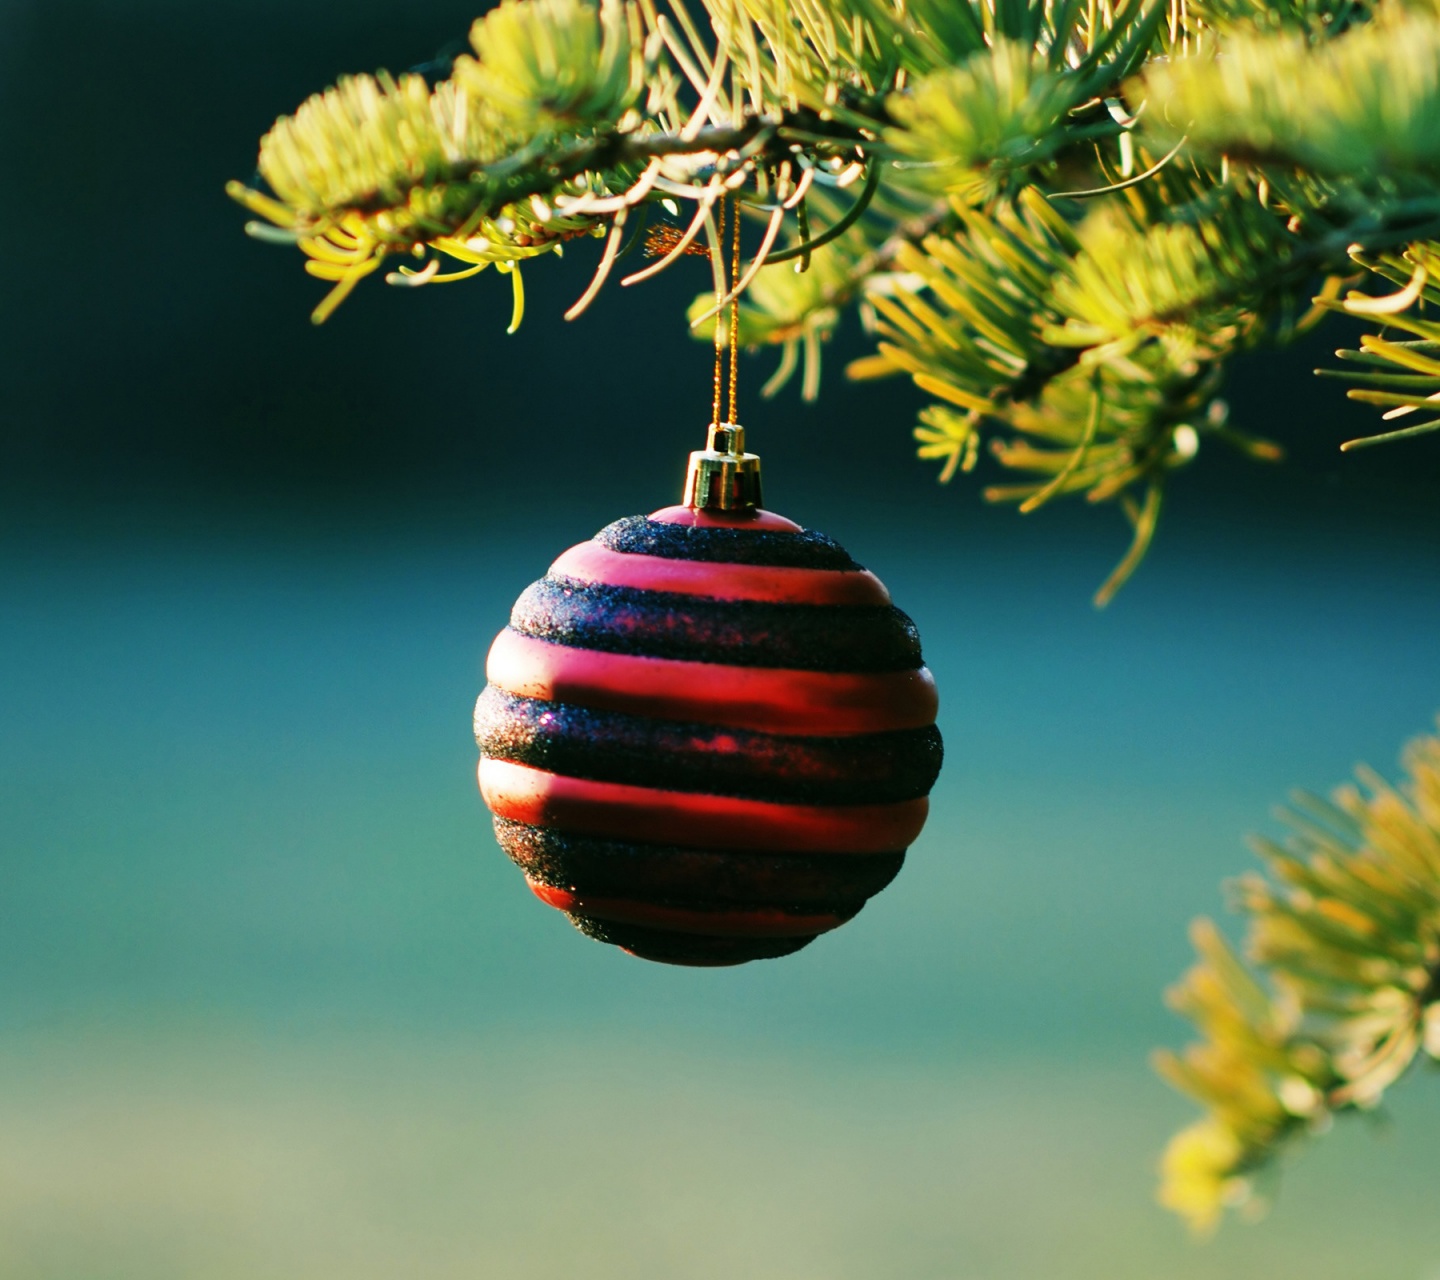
{"x":719,"y":333}
{"x":733,"y":416}
{"x":722,"y":476}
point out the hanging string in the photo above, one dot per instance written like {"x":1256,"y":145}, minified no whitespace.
{"x":734,"y":304}
{"x":719,"y":332}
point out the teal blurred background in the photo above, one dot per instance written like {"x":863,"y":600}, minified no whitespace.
{"x":271,"y":1001}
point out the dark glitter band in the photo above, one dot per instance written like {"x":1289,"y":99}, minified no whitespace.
{"x":686,"y":948}
{"x":741,"y":633}
{"x":806,"y":550}
{"x":610,"y":746}
{"x":800,"y":883}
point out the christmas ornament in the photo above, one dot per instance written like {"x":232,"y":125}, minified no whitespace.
{"x":707,"y":735}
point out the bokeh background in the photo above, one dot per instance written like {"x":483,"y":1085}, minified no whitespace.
{"x":271,"y":1001}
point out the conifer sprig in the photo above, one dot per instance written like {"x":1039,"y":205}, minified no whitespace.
{"x":1203,"y":168}
{"x":1345,"y":929}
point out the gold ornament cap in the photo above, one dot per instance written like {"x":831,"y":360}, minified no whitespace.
{"x":722,"y":476}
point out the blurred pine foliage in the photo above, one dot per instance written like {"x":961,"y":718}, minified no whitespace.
{"x":1347,"y":927}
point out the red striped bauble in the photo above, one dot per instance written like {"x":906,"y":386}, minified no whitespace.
{"x":707,"y":737}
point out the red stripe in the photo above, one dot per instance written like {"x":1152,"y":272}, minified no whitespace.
{"x":767,"y":699}
{"x":590,"y":562}
{"x":693,"y":819}
{"x":767,"y":521}
{"x":715,"y":924}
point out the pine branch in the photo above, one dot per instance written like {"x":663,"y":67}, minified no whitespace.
{"x":1201,"y":167}
{"x":571,"y":109}
{"x":1345,"y":930}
